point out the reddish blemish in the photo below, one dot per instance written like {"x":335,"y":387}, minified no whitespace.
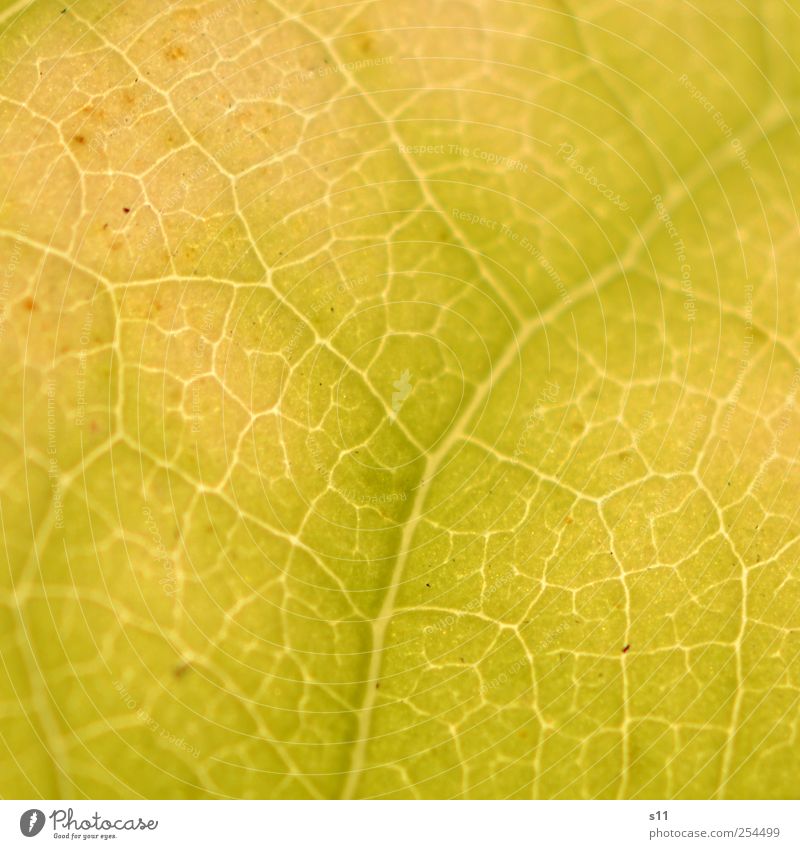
{"x":29,"y":304}
{"x":126,"y":209}
{"x":625,"y":650}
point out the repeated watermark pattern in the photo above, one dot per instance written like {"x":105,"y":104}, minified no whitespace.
{"x":80,"y":383}
{"x":719,"y":120}
{"x":152,"y":724}
{"x":569,"y":153}
{"x":475,"y":603}
{"x":488,"y":157}
{"x":689,"y":305}
{"x":745,"y":358}
{"x":249,"y":118}
{"x":542,"y":647}
{"x":53,"y":465}
{"x":9,"y":273}
{"x":548,"y":395}
{"x":168,"y":580}
{"x":504,"y":229}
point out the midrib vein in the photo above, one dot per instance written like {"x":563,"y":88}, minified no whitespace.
{"x":617,"y":266}
{"x":433,"y":462}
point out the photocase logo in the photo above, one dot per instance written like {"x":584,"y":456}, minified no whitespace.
{"x":403,"y":387}
{"x":31,"y":822}
{"x":66,"y":825}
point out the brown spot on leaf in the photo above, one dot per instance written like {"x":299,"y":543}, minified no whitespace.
{"x":29,"y":304}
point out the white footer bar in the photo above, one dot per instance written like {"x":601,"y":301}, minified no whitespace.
{"x":403,"y":825}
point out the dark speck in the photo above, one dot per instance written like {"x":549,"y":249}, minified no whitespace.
{"x":625,"y":650}
{"x":181,"y":669}
{"x":126,"y":209}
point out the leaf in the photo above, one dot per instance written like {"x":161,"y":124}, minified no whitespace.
{"x":399,"y":400}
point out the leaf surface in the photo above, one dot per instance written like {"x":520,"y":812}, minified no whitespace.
{"x":399,"y":399}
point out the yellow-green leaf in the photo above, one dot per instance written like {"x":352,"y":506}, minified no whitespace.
{"x":399,"y":399}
